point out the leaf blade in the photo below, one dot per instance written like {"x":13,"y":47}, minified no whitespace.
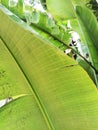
{"x":52,"y":78}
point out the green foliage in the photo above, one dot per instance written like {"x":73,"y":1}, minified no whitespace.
{"x":43,"y":20}
{"x":49,"y":89}
{"x":85,"y":30}
{"x":80,"y":2}
{"x":58,"y":30}
{"x":14,"y":9}
{"x":94,"y":7}
{"x":61,"y":92}
{"x":61,"y":10}
{"x":90,"y":32}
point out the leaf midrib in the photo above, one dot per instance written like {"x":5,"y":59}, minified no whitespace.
{"x":92,"y":65}
{"x":37,"y":97}
{"x":95,"y":70}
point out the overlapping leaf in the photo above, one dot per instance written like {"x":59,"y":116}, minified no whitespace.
{"x":62,"y":94}
{"x":87,"y":28}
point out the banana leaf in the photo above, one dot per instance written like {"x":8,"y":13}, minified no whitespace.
{"x":61,"y":9}
{"x":85,"y":24}
{"x":52,"y":91}
{"x":89,"y":26}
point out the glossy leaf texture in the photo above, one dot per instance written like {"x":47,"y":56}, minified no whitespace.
{"x":60,"y":94}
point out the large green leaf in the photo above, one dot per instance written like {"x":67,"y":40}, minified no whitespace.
{"x":85,"y":16}
{"x":64,"y":9}
{"x":61,"y":9}
{"x":62,"y":94}
{"x":86,"y":25}
{"x":90,"y":32}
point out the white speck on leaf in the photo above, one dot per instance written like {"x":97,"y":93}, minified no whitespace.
{"x":5,"y":101}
